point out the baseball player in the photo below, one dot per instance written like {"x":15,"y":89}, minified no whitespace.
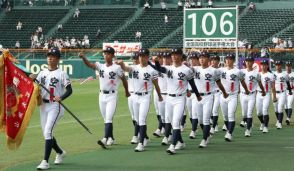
{"x":288,"y":106}
{"x":231,"y":77}
{"x":262,"y":102}
{"x":160,"y":106}
{"x":110,"y":75}
{"x":194,"y":61}
{"x":144,"y":76}
{"x":135,"y":59}
{"x":252,"y":80}
{"x":55,"y":80}
{"x":216,"y":98}
{"x":206,"y":77}
{"x":281,"y":84}
{"x":178,"y":77}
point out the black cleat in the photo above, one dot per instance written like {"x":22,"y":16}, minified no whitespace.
{"x":99,"y":142}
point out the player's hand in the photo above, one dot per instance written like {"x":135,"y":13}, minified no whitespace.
{"x":290,"y":93}
{"x":275,"y":99}
{"x":57,"y":99}
{"x":81,"y":55}
{"x":160,"y":98}
{"x":189,"y":93}
{"x":155,"y":58}
{"x":119,"y":62}
{"x":225,"y":95}
{"x":128,"y":94}
{"x":247,"y":92}
{"x":263,"y":93}
{"x":199,"y":98}
{"x":33,"y":76}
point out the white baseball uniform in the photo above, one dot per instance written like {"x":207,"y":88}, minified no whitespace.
{"x":216,"y":104}
{"x":131,"y":97}
{"x":290,"y":97}
{"x":281,"y":87}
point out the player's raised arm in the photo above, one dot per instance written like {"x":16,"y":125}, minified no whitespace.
{"x":86,"y":61}
{"x":123,"y":66}
{"x":157,"y":66}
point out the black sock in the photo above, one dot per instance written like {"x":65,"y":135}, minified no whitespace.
{"x":56,"y":147}
{"x":226,"y":123}
{"x":280,"y":117}
{"x":214,"y":121}
{"x":180,"y":137}
{"x":167,"y":129}
{"x":48,"y":149}
{"x":194,"y":124}
{"x":201,"y":126}
{"x":289,"y":113}
{"x":111,"y":130}
{"x":260,"y":117}
{"x":108,"y":130}
{"x":245,"y":119}
{"x":143,"y":129}
{"x":249,"y":123}
{"x":160,"y":125}
{"x":176,"y":136}
{"x":206,"y":129}
{"x":231,"y":126}
{"x":134,"y":123}
{"x":191,"y":120}
{"x":266,"y":120}
{"x":137,"y":129}
{"x":183,"y":121}
{"x":277,"y":115}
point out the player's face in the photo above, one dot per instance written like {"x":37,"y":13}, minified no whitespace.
{"x":288,"y":68}
{"x":264,"y":67}
{"x":215,"y":63}
{"x":108,"y":57}
{"x":177,"y":58}
{"x":230,"y":62}
{"x":203,"y":61}
{"x":249,"y":64}
{"x":52,"y":61}
{"x":195,"y":62}
{"x":136,"y":61}
{"x":160,"y":60}
{"x":143,"y":59}
{"x":167,"y":61}
{"x":279,"y":67}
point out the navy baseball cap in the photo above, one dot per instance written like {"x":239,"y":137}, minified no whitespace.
{"x":109,"y":50}
{"x":215,"y":57}
{"x":166,"y":54}
{"x":264,"y":62}
{"x":135,"y":55}
{"x":54,"y":52}
{"x":193,"y":55}
{"x":288,"y":63}
{"x":204,"y":54}
{"x":159,"y":54}
{"x":278,"y":62}
{"x":230,"y":55}
{"x":177,"y":51}
{"x":144,"y":52}
{"x":249,"y":58}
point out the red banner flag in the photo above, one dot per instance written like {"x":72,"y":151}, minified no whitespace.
{"x":1,"y":93}
{"x":20,"y":100}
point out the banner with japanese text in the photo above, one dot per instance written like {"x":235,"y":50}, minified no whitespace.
{"x":124,"y":49}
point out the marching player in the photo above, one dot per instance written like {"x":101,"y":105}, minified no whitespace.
{"x":288,"y":106}
{"x":144,"y":75}
{"x":191,"y":98}
{"x":282,"y":81}
{"x":252,"y":80}
{"x":262,"y":102}
{"x":135,"y":59}
{"x":55,"y":80}
{"x":216,"y":97}
{"x":206,"y":77}
{"x":110,"y":75}
{"x":178,"y":77}
{"x":184,"y":118}
{"x":231,"y":77}
{"x":160,"y":106}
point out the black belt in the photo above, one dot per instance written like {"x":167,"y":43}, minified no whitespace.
{"x":163,"y":93}
{"x":280,"y":91}
{"x":249,"y":92}
{"x":175,"y":95}
{"x":106,"y":92}
{"x":131,"y":92}
{"x":141,"y":93}
{"x":217,"y":91}
{"x":47,"y":101}
{"x":204,"y":94}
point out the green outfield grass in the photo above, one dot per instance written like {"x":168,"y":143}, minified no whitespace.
{"x":272,"y":151}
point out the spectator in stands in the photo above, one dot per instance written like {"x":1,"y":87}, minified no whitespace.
{"x":285,"y":44}
{"x":290,"y":43}
{"x":199,"y":4}
{"x":193,"y":4}
{"x":163,"y":5}
{"x":210,"y":4}
{"x":8,"y":6}
{"x":40,"y":30}
{"x":252,"y":6}
{"x":17,"y":44}
{"x":31,"y":3}
{"x":19,"y":25}
{"x":180,"y":5}
{"x":65,"y":3}
{"x":275,"y":41}
{"x":77,"y":13}
{"x":147,"y":5}
{"x":264,"y":52}
{"x":138,"y":36}
{"x":98,"y":33}
{"x":280,"y":44}
{"x":165,"y":19}
{"x":59,"y":27}
{"x":187,"y":4}
{"x":83,"y":2}
{"x":73,"y":42}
